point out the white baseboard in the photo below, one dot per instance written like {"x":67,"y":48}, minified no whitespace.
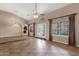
{"x":77,"y":45}
{"x":7,"y":36}
{"x":61,"y":42}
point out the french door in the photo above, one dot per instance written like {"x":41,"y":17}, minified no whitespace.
{"x":41,"y":30}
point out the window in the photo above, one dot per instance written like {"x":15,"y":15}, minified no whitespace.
{"x":60,"y":28}
{"x":41,"y":30}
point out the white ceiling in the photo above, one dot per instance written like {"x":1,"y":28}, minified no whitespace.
{"x":25,"y":10}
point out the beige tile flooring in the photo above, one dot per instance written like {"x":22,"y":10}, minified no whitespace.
{"x":37,"y":47}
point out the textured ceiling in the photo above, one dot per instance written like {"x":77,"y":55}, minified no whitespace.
{"x":25,"y":10}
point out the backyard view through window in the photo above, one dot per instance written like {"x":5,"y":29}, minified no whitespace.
{"x":60,"y":28}
{"x":41,"y":30}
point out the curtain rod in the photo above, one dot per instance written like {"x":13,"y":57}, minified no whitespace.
{"x":63,"y":16}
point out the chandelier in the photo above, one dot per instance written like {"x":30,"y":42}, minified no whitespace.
{"x":35,"y":13}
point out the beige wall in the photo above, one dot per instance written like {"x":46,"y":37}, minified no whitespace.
{"x":7,"y":27}
{"x":70,"y":9}
{"x":31,"y":33}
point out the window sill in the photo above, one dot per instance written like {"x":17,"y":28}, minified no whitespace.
{"x":60,"y":36}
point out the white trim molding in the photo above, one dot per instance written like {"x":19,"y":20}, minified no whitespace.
{"x":77,"y":45}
